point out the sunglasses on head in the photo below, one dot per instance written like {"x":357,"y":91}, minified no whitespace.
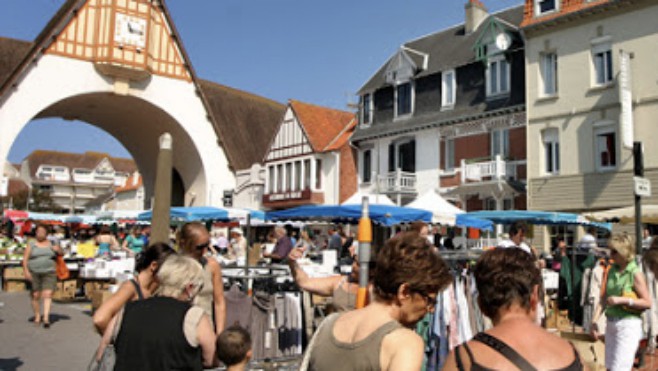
{"x":203,"y":246}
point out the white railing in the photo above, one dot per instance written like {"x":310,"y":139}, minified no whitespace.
{"x":397,"y":181}
{"x":496,"y":169}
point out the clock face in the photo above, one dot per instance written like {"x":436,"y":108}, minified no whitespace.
{"x":130,"y":30}
{"x":503,"y":41}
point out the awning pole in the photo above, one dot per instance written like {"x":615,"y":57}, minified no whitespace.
{"x":365,"y":240}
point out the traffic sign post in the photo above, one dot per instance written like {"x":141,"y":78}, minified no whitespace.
{"x":644,"y":187}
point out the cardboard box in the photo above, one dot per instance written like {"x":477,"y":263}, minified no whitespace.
{"x":13,"y":272}
{"x":99,"y":297}
{"x":93,"y":286}
{"x":15,"y":286}
{"x":65,"y":290}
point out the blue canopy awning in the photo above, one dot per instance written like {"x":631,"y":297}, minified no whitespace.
{"x":532,"y":217}
{"x":380,"y":214}
{"x":464,"y":220}
{"x":190,"y":214}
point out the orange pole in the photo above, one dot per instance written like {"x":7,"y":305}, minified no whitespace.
{"x":365,"y":239}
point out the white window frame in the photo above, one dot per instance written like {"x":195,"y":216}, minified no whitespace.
{"x":548,"y":61}
{"x":551,"y":138}
{"x":449,"y":161}
{"x":602,"y":45}
{"x":367,"y":109}
{"x":495,"y":62}
{"x":605,"y":128}
{"x":448,"y":98}
{"x":412,"y":97}
{"x":538,"y":11}
{"x":504,"y":144}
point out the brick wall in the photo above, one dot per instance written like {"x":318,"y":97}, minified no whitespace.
{"x":348,"y":172}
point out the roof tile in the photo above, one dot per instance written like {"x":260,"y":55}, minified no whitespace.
{"x":323,"y":125}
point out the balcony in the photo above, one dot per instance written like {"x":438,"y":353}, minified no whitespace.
{"x":397,"y":182}
{"x":489,"y":170}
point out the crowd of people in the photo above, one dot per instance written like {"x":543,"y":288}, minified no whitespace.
{"x":171,"y":314}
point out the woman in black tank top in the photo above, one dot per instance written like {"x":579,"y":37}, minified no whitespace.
{"x":508,"y":282}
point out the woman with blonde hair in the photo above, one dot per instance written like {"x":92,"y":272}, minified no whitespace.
{"x":626,"y":297}
{"x":194,"y":241}
{"x":165,"y":332}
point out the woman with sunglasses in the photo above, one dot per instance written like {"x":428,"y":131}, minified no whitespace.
{"x":408,"y":276}
{"x":194,"y":241}
{"x":626,"y":297}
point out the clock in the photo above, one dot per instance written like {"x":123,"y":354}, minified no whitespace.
{"x":130,"y":30}
{"x":503,"y":41}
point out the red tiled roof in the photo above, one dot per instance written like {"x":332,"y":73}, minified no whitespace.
{"x":16,"y":186}
{"x":322,"y":125}
{"x":87,"y":160}
{"x":566,"y":7}
{"x":129,"y":185}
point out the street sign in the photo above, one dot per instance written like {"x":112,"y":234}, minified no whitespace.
{"x":642,"y":186}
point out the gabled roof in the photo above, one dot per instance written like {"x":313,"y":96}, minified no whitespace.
{"x":130,"y":185}
{"x":246,"y":121}
{"x":325,"y":127}
{"x":569,"y":10}
{"x":447,"y":49}
{"x":236,"y":115}
{"x":88,"y":160}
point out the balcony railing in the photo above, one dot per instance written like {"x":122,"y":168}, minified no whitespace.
{"x":496,"y":169}
{"x":397,"y":182}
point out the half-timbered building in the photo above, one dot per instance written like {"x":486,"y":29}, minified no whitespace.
{"x":310,"y":160}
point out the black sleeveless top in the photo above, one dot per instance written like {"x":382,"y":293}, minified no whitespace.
{"x":151,"y":337}
{"x":507,"y":352}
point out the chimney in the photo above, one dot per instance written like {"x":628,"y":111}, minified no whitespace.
{"x":476,"y":13}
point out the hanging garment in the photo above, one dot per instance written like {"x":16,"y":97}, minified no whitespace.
{"x":238,"y":308}
{"x":263,"y":326}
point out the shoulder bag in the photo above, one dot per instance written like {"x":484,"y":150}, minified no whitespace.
{"x":109,"y":356}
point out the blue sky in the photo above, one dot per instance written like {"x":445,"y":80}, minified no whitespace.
{"x":318,"y":51}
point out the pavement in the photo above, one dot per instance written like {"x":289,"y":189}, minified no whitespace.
{"x":67,"y":345}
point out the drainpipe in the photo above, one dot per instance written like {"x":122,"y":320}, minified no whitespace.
{"x":337,"y":178}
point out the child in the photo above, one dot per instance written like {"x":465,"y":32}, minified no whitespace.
{"x":234,"y":348}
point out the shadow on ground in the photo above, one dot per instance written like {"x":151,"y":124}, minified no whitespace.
{"x":54,"y":317}
{"x":7,"y":364}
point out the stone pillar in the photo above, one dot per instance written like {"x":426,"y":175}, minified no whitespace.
{"x":161,"y":209}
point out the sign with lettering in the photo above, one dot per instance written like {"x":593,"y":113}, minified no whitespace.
{"x":642,"y":186}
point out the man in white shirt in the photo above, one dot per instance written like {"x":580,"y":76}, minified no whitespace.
{"x":517,"y":233}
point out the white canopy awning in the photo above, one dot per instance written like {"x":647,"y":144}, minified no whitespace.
{"x":625,"y":215}
{"x":373,"y":199}
{"x":443,"y":212}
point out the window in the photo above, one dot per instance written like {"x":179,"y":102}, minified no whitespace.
{"x":602,"y":60}
{"x":367,"y":109}
{"x":551,"y":151}
{"x":279,"y":179}
{"x":605,"y":148}
{"x":403,"y":99}
{"x":307,"y":174}
{"x":508,"y":204}
{"x":298,"y":176}
{"x":545,"y":6}
{"x":449,"y":158}
{"x":498,"y":76}
{"x":288,"y":185}
{"x":500,"y":143}
{"x":271,"y":184}
{"x":407,"y":156}
{"x":448,"y":88}
{"x":367,"y":166}
{"x":318,"y":174}
{"x":603,"y":67}
{"x":549,"y":74}
{"x":490,"y":204}
{"x":402,"y":155}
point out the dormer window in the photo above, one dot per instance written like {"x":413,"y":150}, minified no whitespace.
{"x":546,"y":6}
{"x":366,"y":109}
{"x":403,"y":99}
